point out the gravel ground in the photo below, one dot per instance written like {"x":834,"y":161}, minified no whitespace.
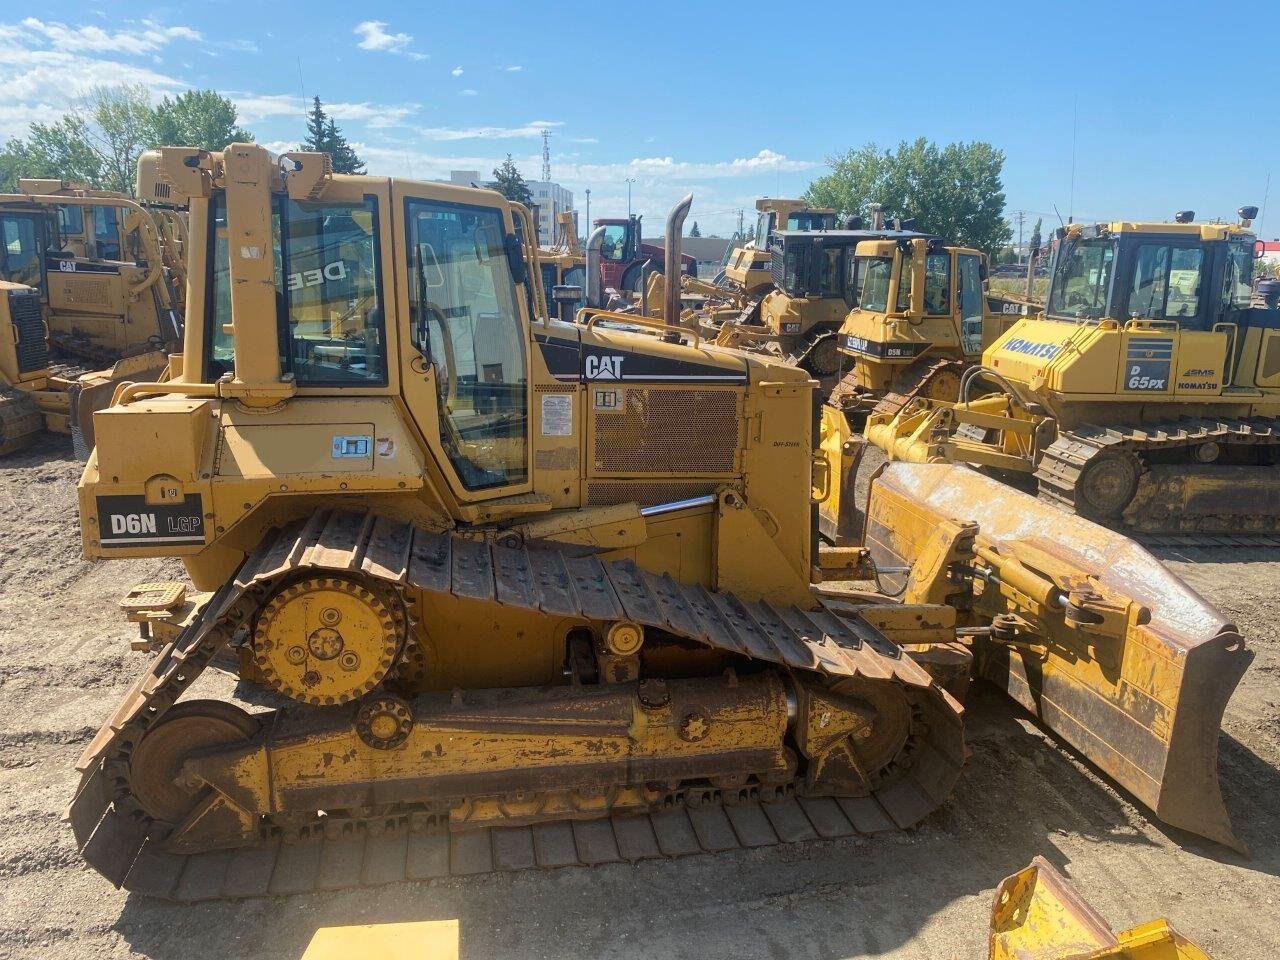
{"x":65,"y":662}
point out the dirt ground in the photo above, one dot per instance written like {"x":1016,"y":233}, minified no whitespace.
{"x":65,"y":662}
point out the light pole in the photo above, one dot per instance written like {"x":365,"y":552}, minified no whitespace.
{"x":588,"y":211}
{"x":630,"y":181}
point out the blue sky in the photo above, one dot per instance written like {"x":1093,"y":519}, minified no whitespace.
{"x":1174,"y":103}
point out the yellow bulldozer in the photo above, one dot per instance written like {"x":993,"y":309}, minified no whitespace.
{"x":519,"y":592}
{"x":1145,"y":395}
{"x":93,"y":285}
{"x":920,"y":318}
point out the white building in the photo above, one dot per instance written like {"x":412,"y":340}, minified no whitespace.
{"x":549,"y":200}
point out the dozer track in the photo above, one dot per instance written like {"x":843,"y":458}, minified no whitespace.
{"x":1155,"y":485}
{"x":915,"y":380}
{"x":20,"y":420}
{"x":395,"y":840}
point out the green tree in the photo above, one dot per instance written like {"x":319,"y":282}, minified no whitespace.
{"x":954,"y":191}
{"x":1035,"y":239}
{"x":98,"y":141}
{"x":195,"y":118}
{"x":508,"y":182}
{"x":694,"y":231}
{"x":323,"y":136}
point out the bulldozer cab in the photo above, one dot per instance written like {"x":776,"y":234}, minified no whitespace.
{"x":776,"y":214}
{"x":935,"y":288}
{"x":1179,"y":295}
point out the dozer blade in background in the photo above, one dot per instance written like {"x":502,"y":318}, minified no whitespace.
{"x":1118,"y":657}
{"x":1038,"y":915}
{"x":93,"y":391}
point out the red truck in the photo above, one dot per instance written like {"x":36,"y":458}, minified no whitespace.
{"x":623,"y":253}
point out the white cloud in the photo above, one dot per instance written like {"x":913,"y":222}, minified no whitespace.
{"x":374,"y":36}
{"x":668,"y":168}
{"x":88,"y":39}
{"x":457,"y":71}
{"x":253,"y":107}
{"x":533,"y":128}
{"x":468,"y":92}
{"x":514,"y":68}
{"x":583,"y":140}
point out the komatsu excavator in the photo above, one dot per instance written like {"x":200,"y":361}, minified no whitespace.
{"x":516,"y":592}
{"x":1145,"y":395}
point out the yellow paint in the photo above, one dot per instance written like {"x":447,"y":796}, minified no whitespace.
{"x":417,"y":940}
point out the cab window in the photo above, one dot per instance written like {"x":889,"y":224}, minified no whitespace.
{"x":614,"y":245}
{"x":332,"y":294}
{"x":105,"y":235}
{"x":969,"y":295}
{"x":70,"y":219}
{"x":1237,"y":286}
{"x":465,"y":322}
{"x":905,"y":279}
{"x":21,"y":256}
{"x":873,"y":283}
{"x":1082,"y":279}
{"x":937,"y":284}
{"x":1166,"y":282}
{"x":830,"y":284}
{"x":328,"y":296}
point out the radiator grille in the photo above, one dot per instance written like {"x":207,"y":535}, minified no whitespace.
{"x":89,"y":292}
{"x":606,"y":493}
{"x":24,"y":311}
{"x":665,"y":430}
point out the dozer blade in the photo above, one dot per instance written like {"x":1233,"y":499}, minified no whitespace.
{"x":1110,"y":650}
{"x":1038,"y":915}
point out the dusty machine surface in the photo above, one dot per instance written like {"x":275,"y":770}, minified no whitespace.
{"x":106,"y":278}
{"x":1146,"y":394}
{"x":920,"y":316}
{"x":1038,"y":915}
{"x":521,"y":592}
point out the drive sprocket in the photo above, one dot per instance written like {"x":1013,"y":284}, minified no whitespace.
{"x":326,"y":640}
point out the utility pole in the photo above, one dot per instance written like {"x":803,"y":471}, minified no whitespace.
{"x":546,"y":156}
{"x":1022,"y":216}
{"x":739,"y":221}
{"x":588,"y":211}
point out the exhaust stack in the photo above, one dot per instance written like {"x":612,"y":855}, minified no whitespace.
{"x":595,"y":294}
{"x":671,"y":259}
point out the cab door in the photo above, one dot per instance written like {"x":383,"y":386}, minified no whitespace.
{"x":975,"y":333}
{"x":22,"y":246}
{"x":465,"y":366}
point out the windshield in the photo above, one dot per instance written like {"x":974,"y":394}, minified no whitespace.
{"x":1081,"y":279}
{"x":873,"y":275}
{"x":1166,"y":282}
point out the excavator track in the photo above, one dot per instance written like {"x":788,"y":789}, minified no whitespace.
{"x":408,"y":841}
{"x":1152,"y":483}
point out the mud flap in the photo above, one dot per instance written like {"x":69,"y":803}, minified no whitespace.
{"x":1138,"y":685}
{"x":1038,"y":915}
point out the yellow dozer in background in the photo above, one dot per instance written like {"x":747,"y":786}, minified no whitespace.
{"x":90,"y":279}
{"x":516,"y":592}
{"x":920,"y":318}
{"x":1146,"y":395}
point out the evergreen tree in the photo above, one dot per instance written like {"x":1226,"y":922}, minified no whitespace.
{"x":508,"y":182}
{"x":694,"y":231}
{"x":323,"y":136}
{"x":1034,"y":249}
